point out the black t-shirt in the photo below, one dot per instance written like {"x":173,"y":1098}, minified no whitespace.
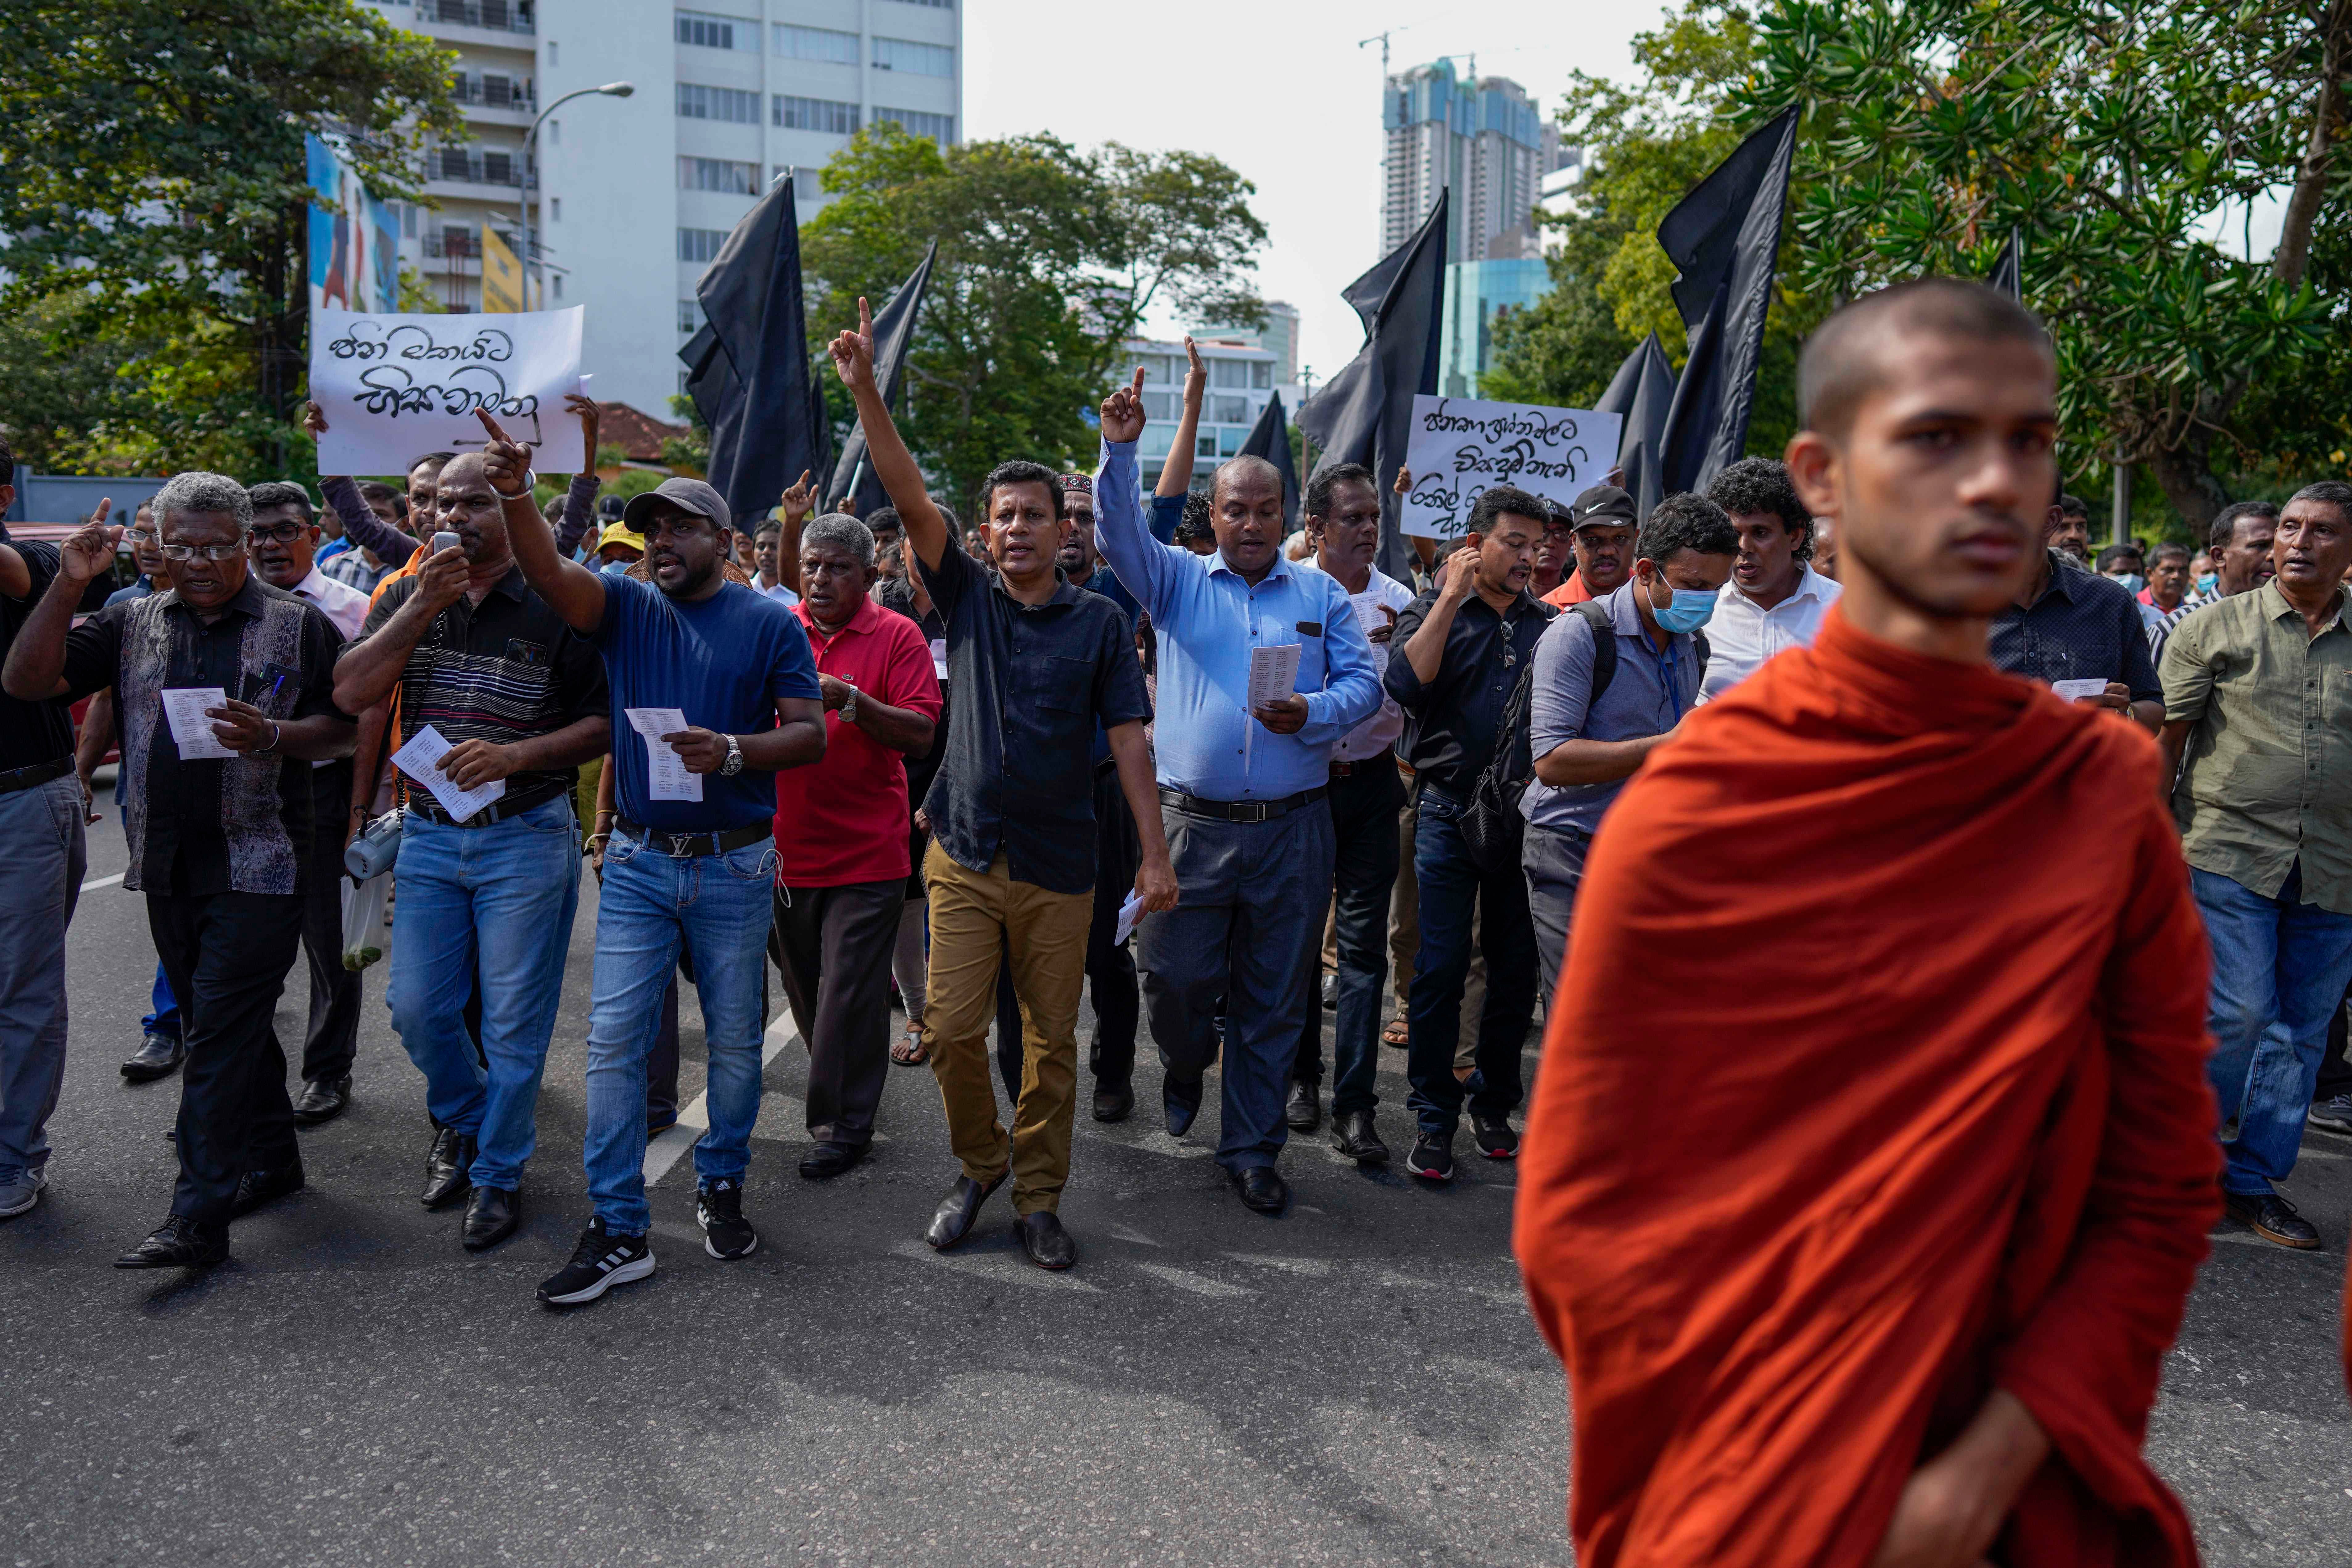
{"x":31,"y":732}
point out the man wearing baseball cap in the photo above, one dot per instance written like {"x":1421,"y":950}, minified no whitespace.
{"x":1605,"y":522}
{"x":714,"y":692}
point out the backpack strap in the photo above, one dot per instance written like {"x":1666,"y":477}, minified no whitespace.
{"x":1604,"y":649}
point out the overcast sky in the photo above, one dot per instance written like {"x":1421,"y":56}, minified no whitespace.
{"x":1277,"y":89}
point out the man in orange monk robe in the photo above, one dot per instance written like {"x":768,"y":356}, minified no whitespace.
{"x":1871,"y":1158}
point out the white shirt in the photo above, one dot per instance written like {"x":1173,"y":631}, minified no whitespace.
{"x":1741,"y":633}
{"x":1378,"y":732}
{"x":777,"y":591}
{"x":339,"y":602}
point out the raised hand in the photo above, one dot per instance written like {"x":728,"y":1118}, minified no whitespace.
{"x":852,"y":352}
{"x":585,"y":408}
{"x":504,"y":459}
{"x":88,"y":551}
{"x":800,"y":500}
{"x":1196,"y":374}
{"x":1404,"y":481}
{"x":314,"y":420}
{"x":1123,"y":410}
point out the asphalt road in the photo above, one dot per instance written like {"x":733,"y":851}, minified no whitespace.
{"x":1355,"y":1382}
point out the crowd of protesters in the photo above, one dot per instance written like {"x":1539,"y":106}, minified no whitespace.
{"x":891,"y":754}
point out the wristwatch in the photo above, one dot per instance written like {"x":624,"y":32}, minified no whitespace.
{"x":734,"y":762}
{"x":849,"y":705}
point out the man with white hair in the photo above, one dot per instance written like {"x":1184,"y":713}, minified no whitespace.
{"x":225,"y":693}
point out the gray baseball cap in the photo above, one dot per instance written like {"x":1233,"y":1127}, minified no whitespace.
{"x":688,"y":495}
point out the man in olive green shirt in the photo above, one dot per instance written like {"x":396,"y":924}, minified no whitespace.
{"x":2258,"y":720}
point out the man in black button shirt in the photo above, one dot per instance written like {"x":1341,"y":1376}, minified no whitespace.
{"x":487,"y":665}
{"x":41,"y":865}
{"x":1034,"y":663}
{"x":1465,"y":645}
{"x":2070,"y":625}
{"x":220,"y":839}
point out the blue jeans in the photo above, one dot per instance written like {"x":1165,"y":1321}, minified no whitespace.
{"x":1450,"y":885}
{"x":2280,"y":967}
{"x":652,"y":902}
{"x":165,"y":1019}
{"x":492,"y":904}
{"x":43,"y":855}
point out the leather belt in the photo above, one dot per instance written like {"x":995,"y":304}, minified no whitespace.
{"x":687,"y":846}
{"x":498,"y":810}
{"x":1239,"y":810}
{"x":35,"y":777}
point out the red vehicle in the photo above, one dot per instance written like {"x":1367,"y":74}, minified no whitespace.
{"x":93,"y":599}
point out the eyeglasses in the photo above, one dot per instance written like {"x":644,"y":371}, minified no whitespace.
{"x":205,"y":552}
{"x":283,"y":533}
{"x":141,"y":535}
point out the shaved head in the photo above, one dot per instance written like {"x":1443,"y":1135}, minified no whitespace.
{"x":1253,"y":472}
{"x":1855,"y":351}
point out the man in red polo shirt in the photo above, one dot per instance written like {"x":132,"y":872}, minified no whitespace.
{"x":841,"y":836}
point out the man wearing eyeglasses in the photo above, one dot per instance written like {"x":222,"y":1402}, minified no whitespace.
{"x":220,"y":828}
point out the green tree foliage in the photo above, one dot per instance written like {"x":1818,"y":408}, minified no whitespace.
{"x":2109,"y":134}
{"x":153,"y":194}
{"x":1048,"y":257}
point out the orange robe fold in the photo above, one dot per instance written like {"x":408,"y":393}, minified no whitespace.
{"x":1875,"y":1081}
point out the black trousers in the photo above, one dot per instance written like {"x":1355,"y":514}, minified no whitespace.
{"x":1110,"y":966}
{"x":833,"y":946}
{"x":226,"y":956}
{"x":331,"y":1041}
{"x":2335,"y":1072}
{"x":1364,"y":806}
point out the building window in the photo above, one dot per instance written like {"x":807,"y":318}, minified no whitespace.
{"x":1162,"y":406}
{"x":700,"y":244}
{"x":808,"y":182}
{"x":939,"y":128}
{"x":815,"y":44}
{"x":710,"y":32}
{"x":933,"y":5}
{"x":1205,"y":444}
{"x":816,"y":115}
{"x":555,"y":209}
{"x":1229,"y":442}
{"x":558,"y":281}
{"x":718,"y":174}
{"x":408,"y":220}
{"x":1262,"y":374}
{"x":498,"y":168}
{"x":690,"y":316}
{"x":1227,"y":410}
{"x":1229,"y":372}
{"x":734,"y":105}
{"x":917,"y":59}
{"x":554,"y":53}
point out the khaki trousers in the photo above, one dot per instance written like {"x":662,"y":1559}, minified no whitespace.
{"x":976,"y":918}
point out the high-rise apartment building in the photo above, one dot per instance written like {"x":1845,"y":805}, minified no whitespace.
{"x":632,"y":197}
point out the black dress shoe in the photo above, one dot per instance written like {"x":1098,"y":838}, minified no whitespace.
{"x":1262,"y":1189}
{"x":179,"y":1243}
{"x":491,"y":1215}
{"x":831,"y":1160}
{"x":953,"y":1221}
{"x":2272,"y":1219}
{"x":447,"y":1167}
{"x":255,"y":1188}
{"x":1113,"y":1101}
{"x":321,"y":1100}
{"x":1354,"y":1135}
{"x":1182,"y":1102}
{"x":1304,"y":1110}
{"x":1047,"y":1243}
{"x":156,"y":1056}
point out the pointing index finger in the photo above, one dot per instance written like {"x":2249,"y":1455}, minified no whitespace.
{"x":491,"y":425}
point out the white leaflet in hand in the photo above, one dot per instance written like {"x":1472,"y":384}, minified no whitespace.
{"x":1274,"y":674}
{"x":666,"y":773}
{"x":391,"y":387}
{"x":420,"y":759}
{"x":1129,"y":913}
{"x":940,"y":656}
{"x":1459,"y":447}
{"x":2074,"y":690}
{"x":190,"y":731}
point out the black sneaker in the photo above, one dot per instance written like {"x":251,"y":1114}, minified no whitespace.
{"x":1494,"y":1136}
{"x":2272,"y":1219}
{"x":1432,"y":1158}
{"x":718,"y":1210}
{"x":2333,"y":1114}
{"x":602,"y":1260}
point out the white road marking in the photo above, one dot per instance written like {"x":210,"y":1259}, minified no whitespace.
{"x":1314,"y":1267}
{"x":97,"y":883}
{"x":694,"y":1120}
{"x":996,"y":1268}
{"x":1198,"y":1284}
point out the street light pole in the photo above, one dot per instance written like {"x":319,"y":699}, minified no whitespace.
{"x":522,"y":175}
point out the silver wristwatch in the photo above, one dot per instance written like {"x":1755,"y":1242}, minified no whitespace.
{"x":849,"y":705}
{"x":734,"y":762}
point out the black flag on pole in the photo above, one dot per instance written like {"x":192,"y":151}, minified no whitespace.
{"x":1725,"y":240}
{"x":1362,"y":413}
{"x":1270,"y":438}
{"x":1641,"y":394}
{"x":894,"y":330}
{"x":2008,"y":273}
{"x":748,"y":370}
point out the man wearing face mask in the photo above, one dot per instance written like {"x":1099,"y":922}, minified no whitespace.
{"x":1599,"y":709}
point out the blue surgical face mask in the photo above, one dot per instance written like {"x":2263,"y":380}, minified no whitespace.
{"x":2132,"y":580}
{"x":617,"y":568}
{"x":1686,"y":612}
{"x":2209,"y":581}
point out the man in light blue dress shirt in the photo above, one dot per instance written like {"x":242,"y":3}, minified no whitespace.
{"x":1242,"y":790}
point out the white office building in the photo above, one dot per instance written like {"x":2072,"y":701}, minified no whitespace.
{"x":632,"y":197}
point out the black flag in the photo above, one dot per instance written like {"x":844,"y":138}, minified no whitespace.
{"x":748,"y":364}
{"x":2008,"y":273}
{"x":1641,"y":393}
{"x":1362,"y":413}
{"x":1724,"y":239}
{"x":1270,"y":438}
{"x":894,"y":330}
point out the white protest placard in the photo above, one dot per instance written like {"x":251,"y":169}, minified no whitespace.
{"x":1459,"y":447}
{"x":393,"y":386}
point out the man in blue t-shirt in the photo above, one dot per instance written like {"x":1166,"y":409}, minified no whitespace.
{"x":714,"y":692}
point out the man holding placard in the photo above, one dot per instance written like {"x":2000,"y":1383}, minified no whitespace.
{"x":718,"y":684}
{"x":504,"y":700}
{"x":1243,"y":788}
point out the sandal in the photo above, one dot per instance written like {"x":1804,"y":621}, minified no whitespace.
{"x":1398,"y":1034}
{"x":910,"y":1052}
